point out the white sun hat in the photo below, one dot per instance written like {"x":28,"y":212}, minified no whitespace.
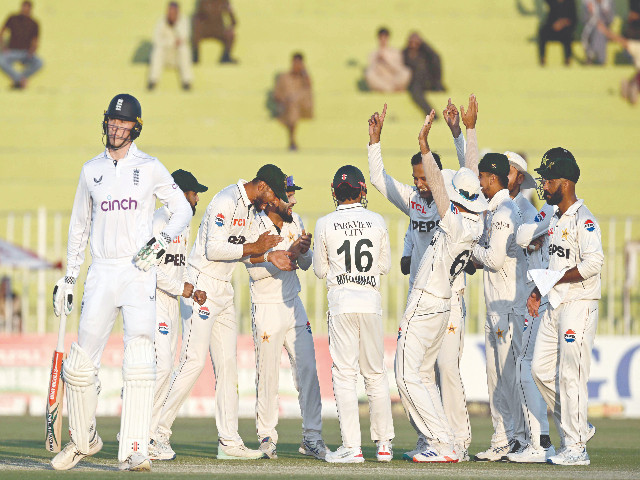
{"x":520,"y":164}
{"x":463,"y":188}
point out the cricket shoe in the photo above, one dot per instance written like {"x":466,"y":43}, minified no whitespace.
{"x":160,"y":448}
{"x":70,"y":455}
{"x":516,"y":447}
{"x":314,"y":448}
{"x":591,"y":431}
{"x":493,"y":453}
{"x":462,"y":452}
{"x":136,"y":463}
{"x":238,"y":452}
{"x":384,"y":452}
{"x":573,"y":455}
{"x":421,"y":446}
{"x":532,"y":454}
{"x":345,"y":455}
{"x":268,"y":447}
{"x":439,"y":454}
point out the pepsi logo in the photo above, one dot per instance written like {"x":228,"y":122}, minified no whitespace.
{"x":526,"y":324}
{"x":589,"y":225}
{"x":163,"y":328}
{"x":540,"y":217}
{"x":203,"y":313}
{"x":399,"y":332}
{"x":570,"y":336}
{"x":308,"y":326}
{"x":454,"y":209}
{"x":219,"y":220}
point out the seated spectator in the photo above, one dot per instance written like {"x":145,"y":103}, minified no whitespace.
{"x":426,"y":70}
{"x":170,"y":47}
{"x":593,"y":40}
{"x":386,"y":71}
{"x":631,"y":29}
{"x":629,"y":88}
{"x":214,"y":19}
{"x":293,"y":97}
{"x":558,"y":27}
{"x":22,"y":46}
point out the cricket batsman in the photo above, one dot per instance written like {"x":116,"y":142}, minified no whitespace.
{"x":113,"y":208}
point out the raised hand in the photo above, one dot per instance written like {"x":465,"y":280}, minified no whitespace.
{"x":424,"y":132}
{"x":265,"y":242}
{"x":452,"y":117}
{"x":470,"y":117}
{"x":375,"y":125}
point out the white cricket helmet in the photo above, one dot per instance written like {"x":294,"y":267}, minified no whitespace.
{"x":520,"y":164}
{"x":463,"y":188}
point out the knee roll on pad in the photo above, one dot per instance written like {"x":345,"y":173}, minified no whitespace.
{"x":79,"y":374}
{"x":138,"y":374}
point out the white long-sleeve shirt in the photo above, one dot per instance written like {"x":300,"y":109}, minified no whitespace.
{"x":114,"y":207}
{"x":423,"y":215}
{"x":530,"y":259}
{"x":167,"y":36}
{"x":269,"y":284}
{"x":171,"y":274}
{"x":352,"y":250}
{"x":225,"y":228}
{"x":500,"y":254}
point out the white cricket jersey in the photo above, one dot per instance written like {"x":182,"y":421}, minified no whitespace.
{"x":574,"y":241}
{"x":269,"y":284}
{"x":535,"y":228}
{"x":114,"y":206}
{"x":448,"y":253}
{"x":352,"y":250}
{"x":529,"y":259}
{"x":224,"y":229}
{"x":171,"y":274}
{"x":500,"y":254}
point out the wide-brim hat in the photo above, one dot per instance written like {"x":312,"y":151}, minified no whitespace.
{"x":463,"y":188}
{"x":520,"y":164}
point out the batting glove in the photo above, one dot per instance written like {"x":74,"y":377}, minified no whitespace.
{"x":152,"y":253}
{"x":63,"y":295}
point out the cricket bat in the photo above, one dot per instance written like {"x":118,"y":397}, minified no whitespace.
{"x":55,"y":394}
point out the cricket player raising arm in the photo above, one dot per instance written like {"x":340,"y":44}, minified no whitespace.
{"x":172,"y":284}
{"x":222,"y":241}
{"x":113,"y":207}
{"x":423,"y":326}
{"x":562,"y":357}
{"x":279,"y":319}
{"x":351,"y":251}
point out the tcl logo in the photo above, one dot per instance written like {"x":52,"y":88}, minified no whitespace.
{"x":124,"y":204}
{"x":423,"y":226}
{"x":559,"y":251}
{"x":239,"y":222}
{"x":419,"y":207}
{"x":177,"y":259}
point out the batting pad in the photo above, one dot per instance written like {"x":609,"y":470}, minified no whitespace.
{"x":79,"y":374}
{"x":139,"y":375}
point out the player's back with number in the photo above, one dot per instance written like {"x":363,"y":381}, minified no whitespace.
{"x":352,"y":251}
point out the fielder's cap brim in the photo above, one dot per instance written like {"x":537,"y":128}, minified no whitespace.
{"x":187,"y":182}
{"x":473,"y":204}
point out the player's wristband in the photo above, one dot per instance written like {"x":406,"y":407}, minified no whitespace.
{"x":265,"y":258}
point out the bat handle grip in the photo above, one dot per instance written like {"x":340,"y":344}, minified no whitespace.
{"x":61,"y":331}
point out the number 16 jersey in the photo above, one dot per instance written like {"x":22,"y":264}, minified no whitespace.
{"x":352,"y":250}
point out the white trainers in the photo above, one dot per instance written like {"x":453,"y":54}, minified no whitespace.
{"x":591,"y":432}
{"x":345,"y":455}
{"x":441,"y":454}
{"x":462,"y":452}
{"x":136,"y":463}
{"x":268,"y":447}
{"x":493,"y":453}
{"x":532,"y":454}
{"x":573,"y":455}
{"x":314,"y":448}
{"x":237,"y":452}
{"x":160,"y":448}
{"x":421,"y":446}
{"x":70,"y":455}
{"x":384,"y":452}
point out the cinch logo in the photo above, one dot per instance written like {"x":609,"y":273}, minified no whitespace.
{"x":163,"y":328}
{"x":540,"y":217}
{"x":570,"y":336}
{"x":589,"y":225}
{"x":203,"y":313}
{"x":119,"y":104}
{"x":240,"y":222}
{"x":124,"y":204}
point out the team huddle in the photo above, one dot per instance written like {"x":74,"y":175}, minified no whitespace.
{"x":541,"y":275}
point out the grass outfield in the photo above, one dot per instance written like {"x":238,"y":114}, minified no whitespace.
{"x":614,"y":454}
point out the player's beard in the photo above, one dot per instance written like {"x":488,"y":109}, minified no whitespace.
{"x":553,"y":198}
{"x":285,"y":215}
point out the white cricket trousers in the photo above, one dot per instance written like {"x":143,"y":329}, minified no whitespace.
{"x":276,"y":325}
{"x":166,"y":341}
{"x":111,"y":286}
{"x":420,"y":336}
{"x":178,"y":57}
{"x":211,"y":330}
{"x":503,"y":337}
{"x":448,"y":377}
{"x":534,"y":407}
{"x":356,"y":344}
{"x":561,"y":364}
